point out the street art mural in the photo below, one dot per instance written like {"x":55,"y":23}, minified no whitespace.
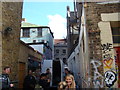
{"x":110,"y":78}
{"x":108,"y":61}
{"x":98,"y":79}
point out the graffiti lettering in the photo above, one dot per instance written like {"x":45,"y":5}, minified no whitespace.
{"x":97,"y":75}
{"x":110,"y":78}
{"x":107,"y":55}
{"x":106,"y":47}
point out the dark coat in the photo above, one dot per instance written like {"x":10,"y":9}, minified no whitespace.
{"x":44,"y":84}
{"x":4,"y":78}
{"x":29,"y":82}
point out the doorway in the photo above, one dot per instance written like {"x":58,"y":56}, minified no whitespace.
{"x":56,"y":73}
{"x":21,"y":74}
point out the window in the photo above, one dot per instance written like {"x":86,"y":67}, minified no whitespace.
{"x":64,"y":60}
{"x":115,"y":26}
{"x":64,"y":51}
{"x":57,"y":58}
{"x":57,"y":51}
{"x":39,"y":32}
{"x":26,"y":33}
{"x":34,"y":41}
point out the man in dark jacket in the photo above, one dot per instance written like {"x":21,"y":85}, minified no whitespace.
{"x":43,"y":81}
{"x":4,"y":78}
{"x":29,"y":81}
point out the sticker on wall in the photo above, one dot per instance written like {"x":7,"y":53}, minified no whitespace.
{"x":110,"y":78}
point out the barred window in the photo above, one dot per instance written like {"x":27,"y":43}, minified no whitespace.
{"x":26,"y":32}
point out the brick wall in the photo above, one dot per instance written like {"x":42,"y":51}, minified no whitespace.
{"x":93,"y":17}
{"x":11,"y":17}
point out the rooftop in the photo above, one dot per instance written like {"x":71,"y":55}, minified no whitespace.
{"x":59,"y":41}
{"x":26,"y":24}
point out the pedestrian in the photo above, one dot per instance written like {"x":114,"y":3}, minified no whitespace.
{"x":70,"y":82}
{"x":67,"y":71}
{"x":29,"y":81}
{"x":43,"y":81}
{"x":37,"y":74}
{"x":48,"y":73}
{"x":6,"y":83}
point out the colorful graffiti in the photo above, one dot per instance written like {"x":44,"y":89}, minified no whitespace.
{"x":110,"y":78}
{"x":108,"y":62}
{"x":97,"y":82}
{"x":107,"y":55}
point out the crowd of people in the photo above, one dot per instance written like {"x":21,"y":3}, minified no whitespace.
{"x":32,"y":80}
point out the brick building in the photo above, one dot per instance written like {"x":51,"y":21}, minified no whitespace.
{"x":97,"y":52}
{"x":13,"y":52}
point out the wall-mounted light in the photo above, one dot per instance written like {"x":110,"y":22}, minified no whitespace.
{"x":7,"y":30}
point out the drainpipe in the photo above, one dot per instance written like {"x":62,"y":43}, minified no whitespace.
{"x":86,"y":40}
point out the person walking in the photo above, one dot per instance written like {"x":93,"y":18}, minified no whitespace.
{"x":6,"y":83}
{"x":29,"y":81}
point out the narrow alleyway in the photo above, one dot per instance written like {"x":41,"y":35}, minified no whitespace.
{"x":77,"y":47}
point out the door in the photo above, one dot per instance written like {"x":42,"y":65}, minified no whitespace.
{"x":21,"y":74}
{"x":117,"y":49}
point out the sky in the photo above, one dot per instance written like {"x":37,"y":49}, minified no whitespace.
{"x":52,"y":14}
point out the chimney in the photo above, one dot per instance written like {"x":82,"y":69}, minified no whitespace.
{"x":23,"y":20}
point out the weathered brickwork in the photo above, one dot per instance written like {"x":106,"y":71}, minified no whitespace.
{"x":0,"y":37}
{"x":14,"y":52}
{"x":93,"y":17}
{"x":11,"y":17}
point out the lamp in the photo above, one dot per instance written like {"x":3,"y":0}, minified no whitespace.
{"x":7,"y":30}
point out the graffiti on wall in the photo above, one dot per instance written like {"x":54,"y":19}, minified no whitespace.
{"x":106,"y":48}
{"x":97,"y":75}
{"x":107,"y":55}
{"x":110,"y":78}
{"x":108,"y":63}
